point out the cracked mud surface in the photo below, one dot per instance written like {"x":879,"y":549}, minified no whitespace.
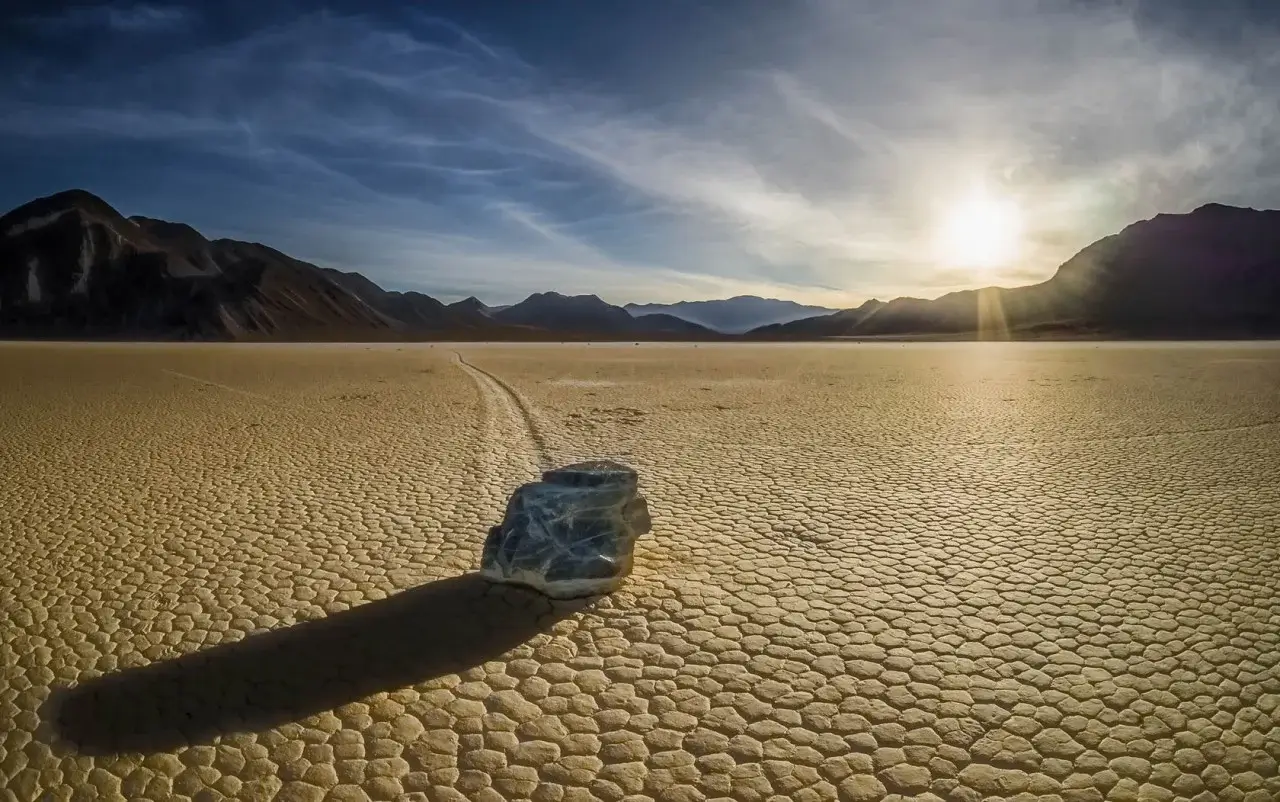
{"x":1028,"y":572}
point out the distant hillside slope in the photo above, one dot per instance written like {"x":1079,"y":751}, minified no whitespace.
{"x":1214,"y":272}
{"x":831,"y":325}
{"x":659,"y":323}
{"x":733,"y":315}
{"x":590,"y":314}
{"x":414,"y":311}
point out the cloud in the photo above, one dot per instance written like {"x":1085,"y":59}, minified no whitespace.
{"x":432,"y":156}
{"x":135,"y":18}
{"x":1085,"y":121}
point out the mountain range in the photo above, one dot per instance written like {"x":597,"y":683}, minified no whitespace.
{"x":71,"y":266}
{"x":1212,"y":273}
{"x":737,"y":315}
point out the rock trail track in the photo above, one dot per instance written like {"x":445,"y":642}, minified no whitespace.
{"x":1004,"y":572}
{"x":512,"y":425}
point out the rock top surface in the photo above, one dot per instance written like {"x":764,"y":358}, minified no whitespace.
{"x":571,"y":534}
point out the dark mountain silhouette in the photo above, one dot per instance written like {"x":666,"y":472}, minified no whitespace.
{"x":71,"y":263}
{"x":72,"y":266}
{"x":659,"y":323}
{"x":1214,"y":272}
{"x":589,"y":314}
{"x":735,"y":315}
{"x":412,"y":311}
{"x":832,"y":325}
{"x":471,"y":306}
{"x":258,"y":292}
{"x":579,"y":312}
{"x":180,"y":237}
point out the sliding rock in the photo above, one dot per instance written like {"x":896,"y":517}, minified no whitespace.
{"x":572,"y":534}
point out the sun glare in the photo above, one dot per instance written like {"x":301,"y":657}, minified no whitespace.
{"x":981,"y":232}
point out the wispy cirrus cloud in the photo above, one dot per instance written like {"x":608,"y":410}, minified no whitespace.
{"x":121,"y":18}
{"x":434,"y":157}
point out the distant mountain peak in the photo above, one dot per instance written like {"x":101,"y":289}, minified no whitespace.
{"x":1217,"y":207}
{"x":73,"y":197}
{"x":61,"y":202}
{"x":735,"y":315}
{"x":471,"y":305}
{"x":589,"y":314}
{"x":553,"y":297}
{"x":1222,"y":210}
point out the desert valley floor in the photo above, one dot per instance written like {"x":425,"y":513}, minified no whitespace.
{"x":877,"y":571}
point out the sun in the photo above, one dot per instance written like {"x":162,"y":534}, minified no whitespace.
{"x":980,"y":232}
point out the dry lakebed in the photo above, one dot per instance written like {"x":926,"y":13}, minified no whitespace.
{"x":931,"y":571}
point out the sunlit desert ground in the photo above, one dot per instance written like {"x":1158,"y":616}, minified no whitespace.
{"x":930,"y":571}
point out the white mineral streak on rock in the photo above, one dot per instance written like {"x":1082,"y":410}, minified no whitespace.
{"x":85,"y":263}
{"x":33,"y":280}
{"x":33,"y":223}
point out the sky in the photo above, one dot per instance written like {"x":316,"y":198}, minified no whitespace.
{"x":646,"y":151}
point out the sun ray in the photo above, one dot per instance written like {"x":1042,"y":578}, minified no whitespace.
{"x":992,"y":324}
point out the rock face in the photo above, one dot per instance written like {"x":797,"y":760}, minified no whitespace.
{"x":572,"y":534}
{"x":73,"y":266}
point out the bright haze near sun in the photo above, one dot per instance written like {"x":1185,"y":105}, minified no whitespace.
{"x":825,"y":151}
{"x":980,"y":231}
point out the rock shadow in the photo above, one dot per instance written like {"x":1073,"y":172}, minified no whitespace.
{"x":286,"y":674}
